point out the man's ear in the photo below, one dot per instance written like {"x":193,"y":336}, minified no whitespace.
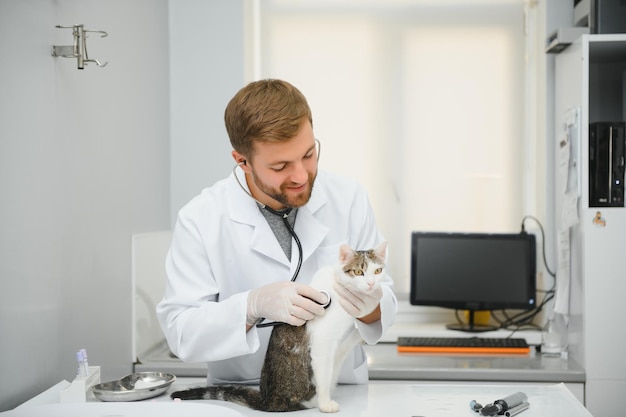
{"x":240,"y":160}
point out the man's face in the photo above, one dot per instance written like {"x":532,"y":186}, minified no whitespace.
{"x":283,"y":173}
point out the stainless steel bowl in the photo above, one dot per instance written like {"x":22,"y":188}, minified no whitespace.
{"x":134,"y":387}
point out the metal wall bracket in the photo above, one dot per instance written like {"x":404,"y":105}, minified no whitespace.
{"x":78,"y":49}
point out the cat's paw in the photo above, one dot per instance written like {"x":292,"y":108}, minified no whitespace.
{"x":329,"y":407}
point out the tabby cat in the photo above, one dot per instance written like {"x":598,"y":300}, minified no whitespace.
{"x":302,"y":363}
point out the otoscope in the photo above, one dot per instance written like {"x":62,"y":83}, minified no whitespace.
{"x":508,"y":406}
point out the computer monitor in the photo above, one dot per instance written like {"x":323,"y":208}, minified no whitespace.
{"x":473,"y":271}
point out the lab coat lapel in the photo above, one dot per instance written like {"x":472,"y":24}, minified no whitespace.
{"x":244,"y":210}
{"x":308,"y":228}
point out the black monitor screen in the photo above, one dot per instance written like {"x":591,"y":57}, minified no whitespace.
{"x":473,"y":271}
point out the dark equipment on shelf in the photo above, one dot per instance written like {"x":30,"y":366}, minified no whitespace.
{"x":601,"y":16}
{"x":606,"y":164}
{"x":473,"y":271}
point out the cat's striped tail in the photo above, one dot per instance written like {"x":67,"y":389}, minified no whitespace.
{"x":239,"y":394}
{"x":242,"y":395}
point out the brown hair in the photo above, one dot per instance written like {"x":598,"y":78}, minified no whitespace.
{"x":265,"y":111}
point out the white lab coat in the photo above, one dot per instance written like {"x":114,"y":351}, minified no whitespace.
{"x":222,"y":247}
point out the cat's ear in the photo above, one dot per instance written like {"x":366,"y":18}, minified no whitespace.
{"x":345,"y":254}
{"x":381,"y":251}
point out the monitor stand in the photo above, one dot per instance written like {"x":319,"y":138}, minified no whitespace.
{"x":471,"y":326}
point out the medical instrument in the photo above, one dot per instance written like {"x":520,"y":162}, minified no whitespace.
{"x":284,"y":214}
{"x":328,"y":300}
{"x":86,"y":377}
{"x":85,"y":361}
{"x":516,"y":410}
{"x":475,"y":406}
{"x":508,"y":406}
{"x":83,"y":364}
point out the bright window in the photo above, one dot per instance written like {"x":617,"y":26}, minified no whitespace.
{"x":420,"y":101}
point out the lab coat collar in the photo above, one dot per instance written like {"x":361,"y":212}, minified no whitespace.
{"x":311,"y":232}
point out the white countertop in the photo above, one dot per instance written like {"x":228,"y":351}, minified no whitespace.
{"x":385,"y":363}
{"x":372,"y":400}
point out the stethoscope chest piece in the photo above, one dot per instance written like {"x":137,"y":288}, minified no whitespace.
{"x":328,"y":299}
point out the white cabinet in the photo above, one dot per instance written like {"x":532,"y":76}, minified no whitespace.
{"x":591,"y":77}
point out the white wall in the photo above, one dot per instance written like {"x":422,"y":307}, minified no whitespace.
{"x":207,"y":69}
{"x":87,"y":159}
{"x":84,"y":164}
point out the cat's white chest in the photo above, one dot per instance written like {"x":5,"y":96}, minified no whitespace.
{"x":335,"y":319}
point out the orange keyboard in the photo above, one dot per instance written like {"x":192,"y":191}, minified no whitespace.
{"x":463,"y":345}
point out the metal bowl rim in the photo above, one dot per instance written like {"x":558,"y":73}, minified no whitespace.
{"x":105,"y":392}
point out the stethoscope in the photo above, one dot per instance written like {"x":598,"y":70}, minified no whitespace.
{"x":284,"y":214}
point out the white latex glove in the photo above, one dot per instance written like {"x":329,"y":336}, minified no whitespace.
{"x":287,"y":302}
{"x":357,"y":302}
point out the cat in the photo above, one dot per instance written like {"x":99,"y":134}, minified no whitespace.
{"x":302,"y":364}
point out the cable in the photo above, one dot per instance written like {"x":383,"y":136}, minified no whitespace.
{"x":295,"y":237}
{"x":543,"y":241}
{"x":525,"y":318}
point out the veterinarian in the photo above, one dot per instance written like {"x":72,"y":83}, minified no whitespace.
{"x":233,"y":256}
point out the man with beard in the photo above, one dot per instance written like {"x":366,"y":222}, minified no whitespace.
{"x":244,"y":250}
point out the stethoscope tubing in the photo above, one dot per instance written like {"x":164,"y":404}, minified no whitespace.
{"x":284,"y":216}
{"x":300,"y":256}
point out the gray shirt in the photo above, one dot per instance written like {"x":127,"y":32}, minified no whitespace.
{"x":279,"y":228}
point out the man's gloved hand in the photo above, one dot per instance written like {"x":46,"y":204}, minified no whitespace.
{"x":357,"y":302}
{"x":287,"y":302}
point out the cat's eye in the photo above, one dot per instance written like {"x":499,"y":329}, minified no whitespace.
{"x":357,"y":272}
{"x":378,"y":271}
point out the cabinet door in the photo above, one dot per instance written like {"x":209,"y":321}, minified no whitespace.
{"x":604,"y":291}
